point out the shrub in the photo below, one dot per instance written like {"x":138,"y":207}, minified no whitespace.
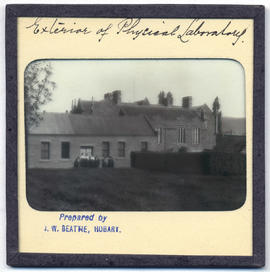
{"x":182,"y":149}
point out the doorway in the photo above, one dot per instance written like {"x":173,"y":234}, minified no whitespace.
{"x":86,"y":151}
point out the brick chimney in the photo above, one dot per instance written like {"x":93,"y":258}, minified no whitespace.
{"x":187,"y":102}
{"x":113,"y":97}
{"x":116,"y":97}
{"x":108,"y":96}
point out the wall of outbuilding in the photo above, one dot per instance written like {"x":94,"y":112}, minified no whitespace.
{"x":133,"y":143}
{"x":170,"y":130}
{"x":168,"y":142}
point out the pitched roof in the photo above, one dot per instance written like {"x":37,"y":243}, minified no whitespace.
{"x":53,"y":123}
{"x":78,"y":124}
{"x":102,"y":107}
{"x":164,"y":112}
{"x":152,"y":111}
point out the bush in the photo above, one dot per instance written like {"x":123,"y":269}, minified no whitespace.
{"x":182,"y":149}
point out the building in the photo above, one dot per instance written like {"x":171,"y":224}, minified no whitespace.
{"x":62,"y":137}
{"x":112,"y":128}
{"x":233,"y":136}
{"x":234,"y":126}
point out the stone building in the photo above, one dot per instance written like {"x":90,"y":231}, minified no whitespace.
{"x":113,"y":128}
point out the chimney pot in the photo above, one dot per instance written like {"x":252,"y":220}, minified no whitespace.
{"x":116,"y":96}
{"x":187,"y":102}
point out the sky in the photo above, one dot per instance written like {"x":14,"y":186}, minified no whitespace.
{"x":202,"y":79}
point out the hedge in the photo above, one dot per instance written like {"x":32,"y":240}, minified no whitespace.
{"x":222,"y":163}
{"x":213,"y":163}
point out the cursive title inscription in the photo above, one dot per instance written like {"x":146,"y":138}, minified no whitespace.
{"x":56,"y":27}
{"x":132,"y":27}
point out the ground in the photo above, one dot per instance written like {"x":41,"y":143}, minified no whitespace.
{"x":131,"y":190}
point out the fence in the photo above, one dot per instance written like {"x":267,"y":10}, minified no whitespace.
{"x":213,"y":163}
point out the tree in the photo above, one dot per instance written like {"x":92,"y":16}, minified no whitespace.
{"x":217,"y":116}
{"x":169,"y":99}
{"x":165,"y":99}
{"x":38,"y":90}
{"x":161,"y":98}
{"x":216,"y":106}
{"x":219,"y":123}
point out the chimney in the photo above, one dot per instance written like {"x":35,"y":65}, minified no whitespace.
{"x":116,"y":97}
{"x":107,"y":96}
{"x":187,"y":102}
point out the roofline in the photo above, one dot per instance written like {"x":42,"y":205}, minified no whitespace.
{"x":149,"y":123}
{"x":174,"y":107}
{"x":147,"y":106}
{"x":238,"y":118}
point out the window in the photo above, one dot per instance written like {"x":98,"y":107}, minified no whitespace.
{"x":195,"y":136}
{"x":45,"y":151}
{"x":144,"y":146}
{"x":181,"y":135}
{"x":121,"y":149}
{"x":105,"y":149}
{"x":65,"y":150}
{"x":159,"y":132}
{"x":86,"y":151}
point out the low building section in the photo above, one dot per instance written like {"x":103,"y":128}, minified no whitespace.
{"x":61,"y":138}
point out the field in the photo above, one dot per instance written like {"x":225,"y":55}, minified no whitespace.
{"x":130,"y":189}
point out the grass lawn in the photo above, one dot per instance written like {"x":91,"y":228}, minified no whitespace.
{"x":130,"y":189}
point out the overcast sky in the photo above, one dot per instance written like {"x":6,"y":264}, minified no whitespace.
{"x":137,"y":79}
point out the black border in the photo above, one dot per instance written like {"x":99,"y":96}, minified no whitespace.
{"x":14,"y":257}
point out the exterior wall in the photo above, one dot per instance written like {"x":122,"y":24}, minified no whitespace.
{"x":170,"y":132}
{"x":55,"y":161}
{"x":169,"y":142}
